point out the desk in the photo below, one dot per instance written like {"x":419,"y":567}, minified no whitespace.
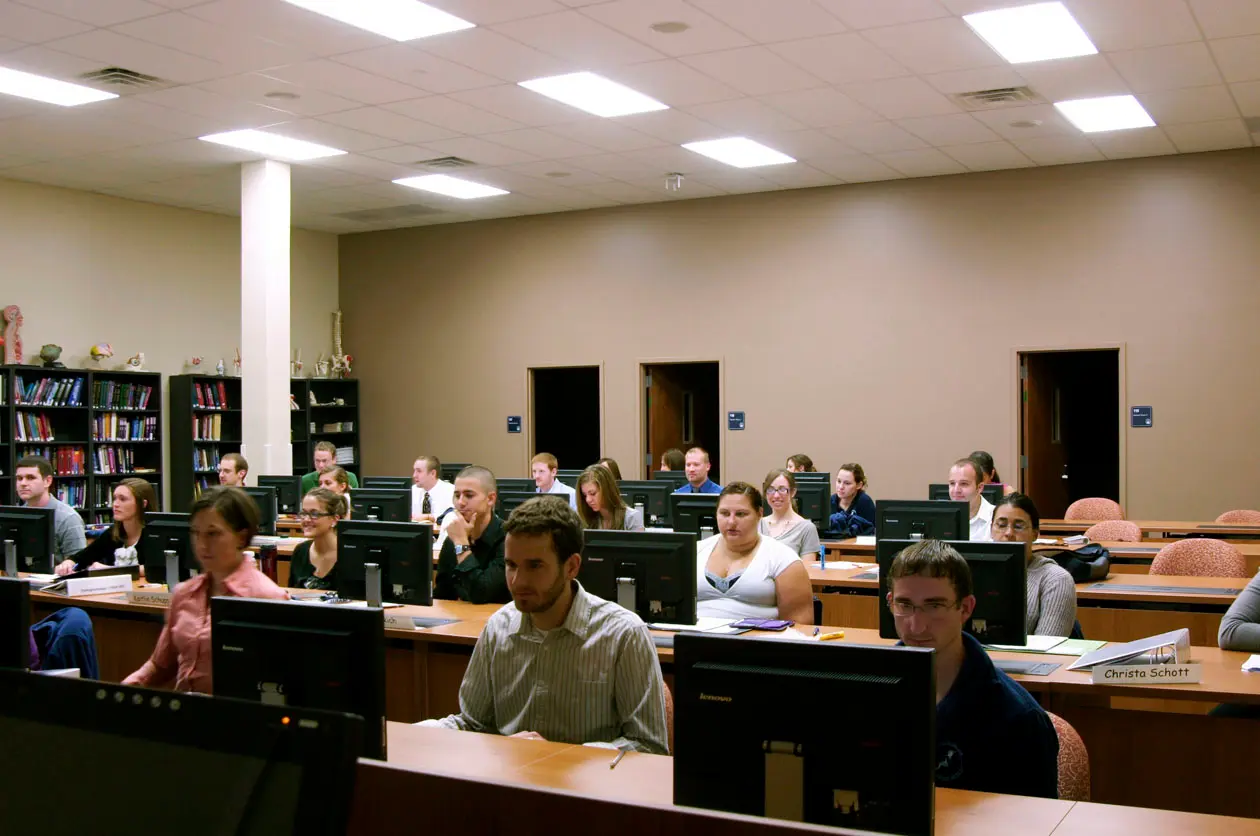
{"x":1163,"y":528}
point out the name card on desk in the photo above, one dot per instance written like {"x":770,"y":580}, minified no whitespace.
{"x":77,"y":587}
{"x":1188,"y":673}
{"x":393,"y":621}
{"x":144,"y":596}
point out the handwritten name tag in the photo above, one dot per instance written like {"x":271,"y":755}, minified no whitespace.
{"x":1189,"y":673}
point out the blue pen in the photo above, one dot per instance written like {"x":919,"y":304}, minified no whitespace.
{"x":822,"y":555}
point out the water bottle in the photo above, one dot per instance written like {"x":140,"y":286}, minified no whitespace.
{"x":822,"y":555}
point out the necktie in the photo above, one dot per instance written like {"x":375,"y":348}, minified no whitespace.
{"x":425,"y":506}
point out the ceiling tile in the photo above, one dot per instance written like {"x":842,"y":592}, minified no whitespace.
{"x":1238,"y":58}
{"x":1227,"y":18}
{"x":485,"y":12}
{"x":1139,"y":142}
{"x":1059,"y":150}
{"x":542,"y":144}
{"x":110,"y":49}
{"x":480,"y":151}
{"x":674,"y":83}
{"x":863,"y":14}
{"x":966,"y":7}
{"x":969,"y":81}
{"x":1082,"y":77}
{"x":49,"y":62}
{"x":901,"y":98}
{"x":8,"y":45}
{"x":1193,"y":104}
{"x":926,"y":162}
{"x":625,"y":192}
{"x":791,"y":18}
{"x":97,"y":12}
{"x":231,"y":113}
{"x":799,"y":176}
{"x":284,"y":23}
{"x":1209,"y":136}
{"x":403,"y":154}
{"x":669,"y":158}
{"x":181,"y":123}
{"x":336,"y":136}
{"x":675,"y":127}
{"x":1134,"y":24}
{"x":616,"y":166}
{"x":261,"y":88}
{"x":734,"y":181}
{"x":524,"y":106}
{"x":544,"y":169}
{"x":608,"y":134}
{"x":68,"y":174}
{"x":839,"y":59}
{"x":448,"y":113}
{"x":753,"y":71}
{"x":52,"y":135}
{"x":857,"y":168}
{"x":635,"y":18}
{"x":347,"y":82}
{"x":745,"y":115}
{"x":877,"y":137}
{"x":821,"y":108}
{"x":379,"y":171}
{"x":238,"y":51}
{"x":575,"y":37}
{"x":1247,"y":94}
{"x":935,"y":46}
{"x":497,"y":55}
{"x":988,"y":156}
{"x":1048,"y":122}
{"x":387,"y":123}
{"x":411,"y":65}
{"x":1167,"y":67}
{"x":954,"y":129}
{"x":32,"y":26}
{"x":805,"y":145}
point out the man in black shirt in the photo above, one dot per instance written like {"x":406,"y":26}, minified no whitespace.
{"x":470,"y":565}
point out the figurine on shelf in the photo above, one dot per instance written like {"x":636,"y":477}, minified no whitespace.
{"x":220,"y":368}
{"x":236,"y":363}
{"x":135,"y":363}
{"x":100,"y":351}
{"x":50,"y":353}
{"x":314,"y":402}
{"x":340,"y":360}
{"x":321,"y":366}
{"x":295,"y":367}
{"x":12,"y":334}
{"x":194,"y":363}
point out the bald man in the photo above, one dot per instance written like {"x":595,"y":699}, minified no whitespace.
{"x":470,"y":565}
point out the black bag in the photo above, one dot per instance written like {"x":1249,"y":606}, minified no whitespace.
{"x":1091,"y":562}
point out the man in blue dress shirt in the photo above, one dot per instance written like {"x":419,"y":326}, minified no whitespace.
{"x":697,"y":468}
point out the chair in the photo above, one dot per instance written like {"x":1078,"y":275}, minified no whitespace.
{"x":1094,"y":508}
{"x":1203,"y":557}
{"x":1240,"y":517}
{"x":1073,"y":761}
{"x":1114,"y":530}
{"x":669,"y":717}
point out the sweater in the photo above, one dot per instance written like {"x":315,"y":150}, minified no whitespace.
{"x":858,"y":521}
{"x":1051,"y":606}
{"x":310,"y":481}
{"x":1240,"y":628}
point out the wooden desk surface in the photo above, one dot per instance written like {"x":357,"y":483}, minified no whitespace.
{"x":1086,"y":819}
{"x":1206,"y":527}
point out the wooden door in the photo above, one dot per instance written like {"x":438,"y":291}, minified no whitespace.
{"x":664,"y":414}
{"x":1043,"y":457}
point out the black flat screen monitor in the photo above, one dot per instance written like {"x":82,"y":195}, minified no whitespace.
{"x":404,"y":551}
{"x":33,"y":531}
{"x":163,"y":532}
{"x":653,"y":495}
{"x":515,"y":484}
{"x":922,"y":519}
{"x":999,"y":580}
{"x":210,"y":766}
{"x":738,"y":748}
{"x":385,"y":504}
{"x":651,"y":573}
{"x":396,"y":482}
{"x":508,"y":501}
{"x":15,"y":623}
{"x":322,"y":656}
{"x":268,"y":508}
{"x":992,"y":493}
{"x":568,"y":477}
{"x":450,"y":470}
{"x":677,"y":478}
{"x":813,"y":502}
{"x":812,"y":476}
{"x":692,"y":512}
{"x":288,"y":492}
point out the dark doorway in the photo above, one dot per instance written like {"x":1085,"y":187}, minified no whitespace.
{"x":682,"y":410}
{"x":565,"y":409}
{"x":1070,"y":434}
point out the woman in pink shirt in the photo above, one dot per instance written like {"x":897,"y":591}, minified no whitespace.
{"x":223,"y":522}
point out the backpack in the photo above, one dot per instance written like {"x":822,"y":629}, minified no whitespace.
{"x":1090,"y":562}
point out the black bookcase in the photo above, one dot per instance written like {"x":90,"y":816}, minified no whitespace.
{"x":6,"y":434}
{"x":325,"y":420}
{"x":205,"y":426}
{"x":125,"y":435}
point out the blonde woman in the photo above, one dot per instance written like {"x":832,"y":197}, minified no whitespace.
{"x":602,"y":505}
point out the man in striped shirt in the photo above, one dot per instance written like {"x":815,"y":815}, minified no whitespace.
{"x":559,"y":663}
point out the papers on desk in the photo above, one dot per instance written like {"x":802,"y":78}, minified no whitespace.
{"x":1052,"y":645}
{"x":866,"y":541}
{"x":704,"y":624}
{"x":843,"y":564}
{"x":1073,"y":540}
{"x":1252,"y":665}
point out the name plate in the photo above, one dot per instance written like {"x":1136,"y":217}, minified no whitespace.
{"x":144,"y":596}
{"x":1188,"y":673}
{"x":76,"y":587}
{"x":399,"y":622}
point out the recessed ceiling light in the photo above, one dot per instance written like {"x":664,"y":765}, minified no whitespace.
{"x":50,"y":90}
{"x":273,"y":145}
{"x":281,"y":94}
{"x":1032,"y":33}
{"x":739,"y":151}
{"x":670,"y":27}
{"x":450,"y":186}
{"x":1108,"y":113}
{"x":594,"y":94}
{"x":401,"y":20}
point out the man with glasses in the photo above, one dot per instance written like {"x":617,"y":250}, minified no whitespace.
{"x":991,"y":735}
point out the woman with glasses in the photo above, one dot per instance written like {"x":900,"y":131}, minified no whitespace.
{"x":1051,"y":609}
{"x":783,"y":523}
{"x":314,"y":562}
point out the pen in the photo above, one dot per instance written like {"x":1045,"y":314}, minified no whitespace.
{"x":826,"y":637}
{"x":816,"y":629}
{"x":621,"y":754}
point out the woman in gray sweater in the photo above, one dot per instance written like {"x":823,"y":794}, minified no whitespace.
{"x":1051,"y":608}
{"x":1240,"y":628}
{"x":783,"y":523}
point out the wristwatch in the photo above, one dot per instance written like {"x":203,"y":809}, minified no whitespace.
{"x":461,"y":549}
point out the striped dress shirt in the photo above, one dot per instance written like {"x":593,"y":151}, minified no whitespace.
{"x":593,"y":679}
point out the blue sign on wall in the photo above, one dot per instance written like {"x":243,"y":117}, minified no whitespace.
{"x":514,"y":423}
{"x":734,"y":420}
{"x":1141,"y":416}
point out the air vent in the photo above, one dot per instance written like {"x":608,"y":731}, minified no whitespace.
{"x":127,"y":79}
{"x":1253,"y":124}
{"x":446,"y":162}
{"x":389,"y":214}
{"x":998,"y":97}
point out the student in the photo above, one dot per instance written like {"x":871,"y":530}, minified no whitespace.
{"x":325,"y":457}
{"x":988,"y":471}
{"x":337,"y":480}
{"x":697,"y":467}
{"x":672,"y":459}
{"x":991,"y":735}
{"x":602,"y":505}
{"x":964,"y":486}
{"x":34,"y":477}
{"x":801,"y":463}
{"x":232,"y":470}
{"x":543,"y":468}
{"x":1240,"y":627}
{"x":432,"y":499}
{"x":783,"y":523}
{"x":1051,"y":596}
{"x":223,"y":523}
{"x":117,"y":546}
{"x":613,"y":468}
{"x":852,"y":509}
{"x":558,"y":663}
{"x":742,"y":574}
{"x":314,"y":561}
{"x":470,"y":563}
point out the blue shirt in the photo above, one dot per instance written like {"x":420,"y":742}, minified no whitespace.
{"x":709,"y":486}
{"x":991,"y":735}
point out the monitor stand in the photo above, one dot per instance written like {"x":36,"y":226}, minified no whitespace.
{"x":785,"y":781}
{"x":626,"y":593}
{"x":372,"y":584}
{"x":172,"y":570}
{"x":10,"y":559}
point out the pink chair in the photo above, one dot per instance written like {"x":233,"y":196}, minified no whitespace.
{"x":1114,"y":531}
{"x":1094,"y":508}
{"x":1240,"y":517}
{"x":1073,"y":761}
{"x":1200,"y":557}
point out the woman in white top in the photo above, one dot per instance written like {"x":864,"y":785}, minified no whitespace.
{"x":602,"y":505}
{"x":743,"y":574}
{"x":783,"y":523}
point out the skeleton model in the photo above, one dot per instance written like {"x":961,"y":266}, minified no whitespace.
{"x":340,"y":361}
{"x":12,"y":338}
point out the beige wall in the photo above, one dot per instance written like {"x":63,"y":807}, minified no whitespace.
{"x":873,"y":322}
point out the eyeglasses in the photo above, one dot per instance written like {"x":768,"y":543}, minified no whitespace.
{"x":932,"y":609}
{"x":776,"y":490}
{"x":1018,"y":526}
{"x":313,"y":515}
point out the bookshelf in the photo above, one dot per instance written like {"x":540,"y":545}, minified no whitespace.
{"x":338,"y":423}
{"x":48,"y":416}
{"x":205,"y":426}
{"x":6,"y":435}
{"x":125,"y":425}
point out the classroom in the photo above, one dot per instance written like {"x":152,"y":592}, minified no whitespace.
{"x":931,"y":220}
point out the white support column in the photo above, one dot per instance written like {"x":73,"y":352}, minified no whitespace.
{"x":265,"y":431}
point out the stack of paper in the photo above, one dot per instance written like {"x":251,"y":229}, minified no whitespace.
{"x":1252,"y":664}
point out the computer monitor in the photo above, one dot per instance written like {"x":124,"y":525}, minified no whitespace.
{"x":813,"y":502}
{"x":508,"y":501}
{"x":922,"y":519}
{"x":208,"y":766}
{"x":516,"y":484}
{"x":396,"y":482}
{"x":288,"y":492}
{"x":677,"y":478}
{"x":404,"y":551}
{"x":163,"y":532}
{"x":694,"y":513}
{"x":34,"y":532}
{"x":385,"y":504}
{"x":450,"y":470}
{"x":653,"y":495}
{"x":268,"y":508}
{"x":15,"y":623}
{"x":746,"y":742}
{"x":568,"y":477}
{"x":307,"y":655}
{"x":999,"y":580}
{"x":651,"y":573}
{"x":993,"y":493}
{"x":811,"y":476}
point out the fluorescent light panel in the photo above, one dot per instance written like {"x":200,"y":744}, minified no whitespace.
{"x":50,"y":90}
{"x":273,"y":146}
{"x":1032,"y":33}
{"x":739,"y":151}
{"x":401,"y":20}
{"x":594,"y":94}
{"x":450,"y":186}
{"x":1108,"y":113}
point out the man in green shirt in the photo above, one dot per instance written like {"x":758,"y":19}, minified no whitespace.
{"x":325,"y":456}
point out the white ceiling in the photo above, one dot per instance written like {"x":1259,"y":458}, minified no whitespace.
{"x":856,"y":90}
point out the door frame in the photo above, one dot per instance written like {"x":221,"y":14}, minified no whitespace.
{"x":1016,"y":401}
{"x":529,"y":404}
{"x":641,"y":401}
